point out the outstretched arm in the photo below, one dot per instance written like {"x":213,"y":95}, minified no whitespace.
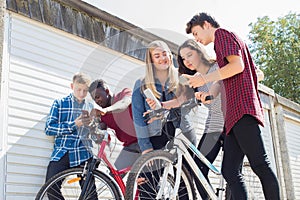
{"x":119,"y":105}
{"x":235,"y":66}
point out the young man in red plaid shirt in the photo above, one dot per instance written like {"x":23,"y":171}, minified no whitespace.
{"x":241,"y":105}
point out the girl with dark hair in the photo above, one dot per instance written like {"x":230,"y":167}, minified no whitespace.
{"x":192,"y":58}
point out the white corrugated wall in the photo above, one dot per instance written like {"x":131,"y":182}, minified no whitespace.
{"x":292,"y":126}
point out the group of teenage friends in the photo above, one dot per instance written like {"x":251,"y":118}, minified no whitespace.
{"x":233,"y":120}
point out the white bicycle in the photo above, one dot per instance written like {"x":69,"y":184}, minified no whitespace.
{"x":151,"y":172}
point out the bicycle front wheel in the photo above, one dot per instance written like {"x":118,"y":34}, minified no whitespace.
{"x":145,"y":180}
{"x":67,"y":185}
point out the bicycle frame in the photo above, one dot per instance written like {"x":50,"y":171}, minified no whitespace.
{"x":115,"y":173}
{"x":182,"y":144}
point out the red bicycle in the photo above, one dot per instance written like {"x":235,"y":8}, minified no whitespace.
{"x":88,"y":182}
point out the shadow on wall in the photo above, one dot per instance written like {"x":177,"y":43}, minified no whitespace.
{"x":28,"y":153}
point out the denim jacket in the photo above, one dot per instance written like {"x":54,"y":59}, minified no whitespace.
{"x":143,"y":130}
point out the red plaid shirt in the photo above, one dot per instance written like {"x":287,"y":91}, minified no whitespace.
{"x":241,"y":93}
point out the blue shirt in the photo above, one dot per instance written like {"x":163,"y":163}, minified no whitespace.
{"x":143,"y":130}
{"x":67,"y":137}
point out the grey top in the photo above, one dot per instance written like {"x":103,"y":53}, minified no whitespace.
{"x":215,"y":119}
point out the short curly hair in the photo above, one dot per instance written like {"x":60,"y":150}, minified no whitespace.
{"x":99,"y":83}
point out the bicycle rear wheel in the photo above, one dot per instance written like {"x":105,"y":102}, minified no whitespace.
{"x":145,"y":178}
{"x":67,"y":185}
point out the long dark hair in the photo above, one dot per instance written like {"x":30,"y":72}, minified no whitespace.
{"x":193,"y":45}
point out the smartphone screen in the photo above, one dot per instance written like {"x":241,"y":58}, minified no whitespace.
{"x":85,"y":113}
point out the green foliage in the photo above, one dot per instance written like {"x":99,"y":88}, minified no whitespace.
{"x":276,"y":50}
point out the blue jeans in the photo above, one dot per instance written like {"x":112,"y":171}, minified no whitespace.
{"x":245,"y":139}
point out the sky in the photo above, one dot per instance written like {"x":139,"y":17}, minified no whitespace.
{"x":168,"y":18}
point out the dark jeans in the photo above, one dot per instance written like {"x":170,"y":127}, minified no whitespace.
{"x":56,"y":167}
{"x":209,"y":145}
{"x":245,"y":139}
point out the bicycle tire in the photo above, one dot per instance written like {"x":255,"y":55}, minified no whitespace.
{"x":70,"y":188}
{"x":157,"y":159}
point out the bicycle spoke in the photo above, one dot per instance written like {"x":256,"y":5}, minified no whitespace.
{"x":152,"y":178}
{"x":68,"y":185}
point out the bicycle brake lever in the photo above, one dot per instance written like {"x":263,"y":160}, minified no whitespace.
{"x":195,"y":102}
{"x":210,"y":97}
{"x":207,"y":98}
{"x":191,"y":103}
{"x":154,"y":113}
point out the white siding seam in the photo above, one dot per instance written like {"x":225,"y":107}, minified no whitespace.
{"x":291,"y":118}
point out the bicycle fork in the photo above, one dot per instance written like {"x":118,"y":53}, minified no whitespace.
{"x":164,"y":179}
{"x":88,"y":174}
{"x":221,"y":187}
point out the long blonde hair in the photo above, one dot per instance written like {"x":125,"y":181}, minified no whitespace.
{"x":149,"y":80}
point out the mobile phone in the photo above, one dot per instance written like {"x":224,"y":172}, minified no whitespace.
{"x":149,"y":94}
{"x":84,"y":113}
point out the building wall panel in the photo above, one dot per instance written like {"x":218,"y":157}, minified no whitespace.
{"x":42,"y":62}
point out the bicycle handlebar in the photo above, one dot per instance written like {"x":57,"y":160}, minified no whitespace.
{"x":97,"y":132}
{"x":191,"y":103}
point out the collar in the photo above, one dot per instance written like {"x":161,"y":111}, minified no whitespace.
{"x":74,"y":99}
{"x":157,"y":82}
